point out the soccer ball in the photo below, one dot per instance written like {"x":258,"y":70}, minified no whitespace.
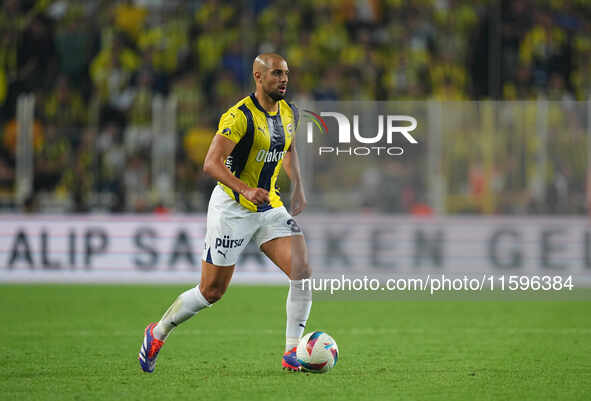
{"x":317,"y":352}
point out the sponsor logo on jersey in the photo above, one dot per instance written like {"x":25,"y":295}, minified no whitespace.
{"x":227,"y":242}
{"x":229,"y":162}
{"x":266,"y":156}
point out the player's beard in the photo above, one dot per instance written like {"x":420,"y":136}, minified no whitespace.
{"x":275,"y":95}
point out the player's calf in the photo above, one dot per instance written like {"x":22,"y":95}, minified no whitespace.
{"x":185,"y":306}
{"x":212,"y":294}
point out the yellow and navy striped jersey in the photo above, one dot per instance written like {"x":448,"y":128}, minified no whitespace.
{"x":262,"y":139}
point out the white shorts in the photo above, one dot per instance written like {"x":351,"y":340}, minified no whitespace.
{"x":230,"y":227}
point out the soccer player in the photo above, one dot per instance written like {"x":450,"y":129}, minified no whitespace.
{"x":254,"y":139}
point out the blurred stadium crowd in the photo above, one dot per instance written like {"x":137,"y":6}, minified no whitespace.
{"x":95,"y":67}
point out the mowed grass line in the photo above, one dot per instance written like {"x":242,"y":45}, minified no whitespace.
{"x":80,"y":342}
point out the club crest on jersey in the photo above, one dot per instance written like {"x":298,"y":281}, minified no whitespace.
{"x":290,"y":128}
{"x":269,"y":156}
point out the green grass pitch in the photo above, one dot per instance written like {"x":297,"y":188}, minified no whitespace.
{"x":80,"y":342}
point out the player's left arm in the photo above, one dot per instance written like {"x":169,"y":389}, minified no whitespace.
{"x":291,"y":164}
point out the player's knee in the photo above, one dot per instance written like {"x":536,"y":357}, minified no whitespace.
{"x":213,"y":294}
{"x":302,"y":271}
{"x":306,"y":271}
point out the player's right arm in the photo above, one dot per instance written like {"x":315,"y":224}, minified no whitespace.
{"x":230,"y":131}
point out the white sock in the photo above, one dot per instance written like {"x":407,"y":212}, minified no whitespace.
{"x":299,"y":302}
{"x":185,"y":306}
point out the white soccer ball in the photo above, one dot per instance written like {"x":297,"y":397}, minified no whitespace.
{"x":317,"y":352}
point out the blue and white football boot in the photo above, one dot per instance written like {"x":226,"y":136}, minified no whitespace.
{"x":290,"y":361}
{"x":149,"y":350}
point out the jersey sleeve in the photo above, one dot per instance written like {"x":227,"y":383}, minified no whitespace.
{"x":232,"y":125}
{"x":296,"y":115}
